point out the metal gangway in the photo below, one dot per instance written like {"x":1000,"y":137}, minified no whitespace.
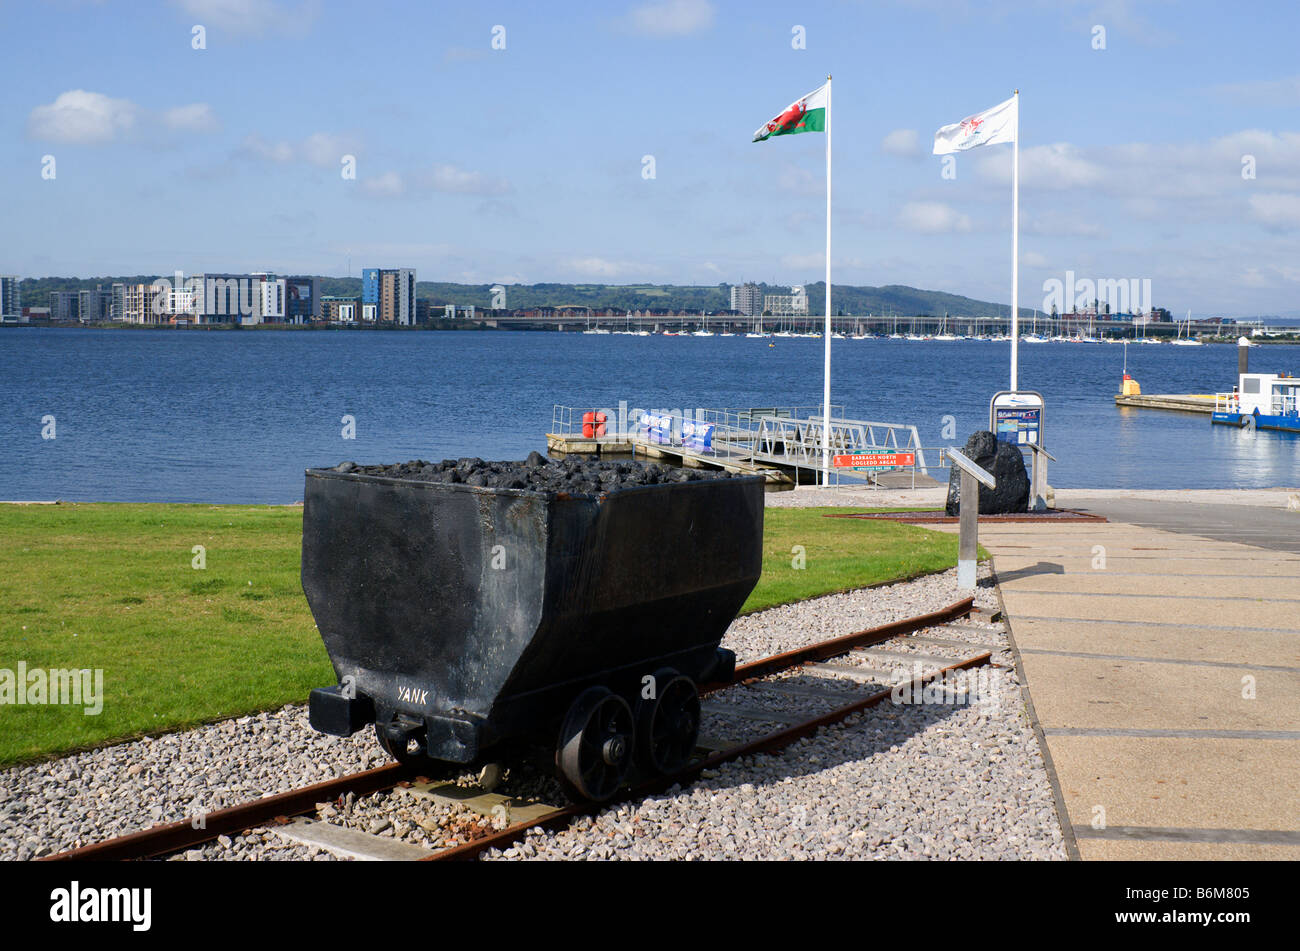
{"x":783,"y":438}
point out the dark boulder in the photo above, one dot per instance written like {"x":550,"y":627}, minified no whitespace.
{"x":1008,"y":467}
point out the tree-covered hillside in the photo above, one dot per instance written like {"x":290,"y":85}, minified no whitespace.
{"x":894,"y":298}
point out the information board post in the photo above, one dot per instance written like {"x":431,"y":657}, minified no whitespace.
{"x":968,"y":514}
{"x":1016,"y":417}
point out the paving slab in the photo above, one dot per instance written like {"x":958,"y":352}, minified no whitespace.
{"x":1136,"y":675}
{"x":1118,"y":696}
{"x":1254,"y":614}
{"x":1169,"y":642}
{"x":1119,"y":850}
{"x":1107,"y":582}
{"x":1172,"y":782}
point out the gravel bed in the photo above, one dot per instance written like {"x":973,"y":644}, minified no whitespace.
{"x":782,"y":628}
{"x":86,"y":797}
{"x":937,"y":780}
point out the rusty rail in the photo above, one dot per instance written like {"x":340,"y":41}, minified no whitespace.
{"x":175,"y":836}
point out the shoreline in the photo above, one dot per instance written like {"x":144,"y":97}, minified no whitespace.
{"x":811,"y":496}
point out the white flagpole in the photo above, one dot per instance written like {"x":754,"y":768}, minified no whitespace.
{"x":1015,"y":248}
{"x":826,"y":373}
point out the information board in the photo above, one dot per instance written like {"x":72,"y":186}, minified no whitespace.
{"x":1017,"y":417}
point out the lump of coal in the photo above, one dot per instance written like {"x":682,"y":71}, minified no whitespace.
{"x":1004,"y":461}
{"x":571,"y":475}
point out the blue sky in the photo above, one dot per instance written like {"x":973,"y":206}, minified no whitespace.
{"x":525,"y":163}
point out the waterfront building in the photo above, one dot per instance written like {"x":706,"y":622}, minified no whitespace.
{"x":303,"y":302}
{"x":257,"y":298}
{"x":794,"y":304}
{"x":95,"y":306}
{"x":747,"y":299}
{"x":10,"y":300}
{"x":271,"y":296}
{"x":388,"y":295}
{"x":65,"y":305}
{"x":340,"y":310}
{"x":159,"y":304}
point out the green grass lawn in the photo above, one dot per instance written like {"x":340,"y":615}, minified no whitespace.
{"x":840,"y":554}
{"x":113,"y":586}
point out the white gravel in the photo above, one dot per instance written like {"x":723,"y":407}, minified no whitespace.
{"x":927,"y":780}
{"x":935,"y":780}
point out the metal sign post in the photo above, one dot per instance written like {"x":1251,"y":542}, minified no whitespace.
{"x":968,"y":517}
{"x":1017,"y":417}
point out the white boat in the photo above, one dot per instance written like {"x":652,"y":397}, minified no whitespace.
{"x":1033,"y":338}
{"x":1189,"y":340}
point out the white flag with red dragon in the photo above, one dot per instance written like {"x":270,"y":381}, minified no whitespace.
{"x":990,"y":127}
{"x":803,"y":115}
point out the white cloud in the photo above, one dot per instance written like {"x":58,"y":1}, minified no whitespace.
{"x":805,"y":262}
{"x":196,"y":117}
{"x":322,"y":149}
{"x":801,"y":181}
{"x":1060,"y":165}
{"x":671,"y":17}
{"x":258,"y":147}
{"x":249,"y":17}
{"x":1263,"y":92}
{"x":388,"y":185}
{"x":78,"y":117}
{"x":932,"y":217}
{"x":598,"y":267}
{"x":326,"y":150}
{"x":1277,"y":211}
{"x":904,"y":142}
{"x":1058,"y":225}
{"x":450,"y":178}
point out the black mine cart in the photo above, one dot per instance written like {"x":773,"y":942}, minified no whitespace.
{"x":458,"y":617}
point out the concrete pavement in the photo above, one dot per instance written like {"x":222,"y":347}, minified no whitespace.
{"x":1163,"y":668}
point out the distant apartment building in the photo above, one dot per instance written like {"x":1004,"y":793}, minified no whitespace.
{"x":257,"y":298}
{"x":794,"y":304}
{"x":119,"y":301}
{"x":388,"y":295}
{"x":95,"y":306}
{"x":747,"y":299}
{"x":10,"y":300}
{"x":65,"y":305}
{"x":303,"y":301}
{"x":146,"y":304}
{"x":340,"y":310}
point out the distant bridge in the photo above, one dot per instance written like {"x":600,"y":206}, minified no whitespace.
{"x":568,"y":319}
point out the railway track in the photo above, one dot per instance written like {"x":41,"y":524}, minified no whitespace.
{"x":829,"y":675}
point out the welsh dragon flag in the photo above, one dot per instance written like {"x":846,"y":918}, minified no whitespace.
{"x":803,"y":115}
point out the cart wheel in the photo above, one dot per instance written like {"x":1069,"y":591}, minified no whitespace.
{"x":668,"y":726}
{"x":595,"y":745}
{"x":403,"y":745}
